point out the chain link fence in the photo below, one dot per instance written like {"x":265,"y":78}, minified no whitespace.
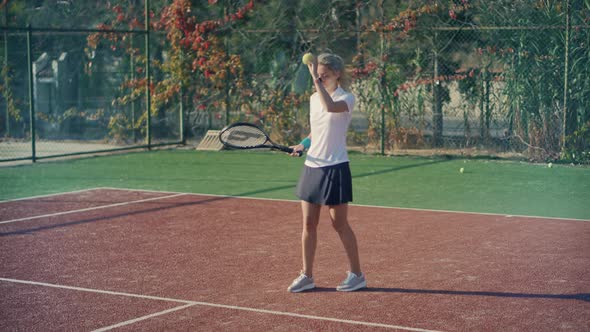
{"x":439,"y":78}
{"x":65,"y":88}
{"x":499,"y":78}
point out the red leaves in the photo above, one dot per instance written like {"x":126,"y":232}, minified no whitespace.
{"x":459,"y":75}
{"x":196,"y":57}
{"x":367,"y":70}
{"x":452,"y":14}
{"x":407,"y":20}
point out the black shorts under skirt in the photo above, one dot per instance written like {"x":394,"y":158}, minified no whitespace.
{"x":330,"y":185}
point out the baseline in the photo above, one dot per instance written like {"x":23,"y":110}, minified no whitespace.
{"x":187,"y":304}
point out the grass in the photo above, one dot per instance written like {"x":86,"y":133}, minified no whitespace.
{"x":488,"y":186}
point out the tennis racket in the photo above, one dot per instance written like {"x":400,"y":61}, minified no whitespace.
{"x":244,"y":135}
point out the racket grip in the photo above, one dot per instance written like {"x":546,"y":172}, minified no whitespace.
{"x":290,"y":150}
{"x":299,"y":153}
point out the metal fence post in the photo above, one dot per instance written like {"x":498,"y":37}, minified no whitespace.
{"x":181,"y":111}
{"x":226,"y":10}
{"x":132,"y":77}
{"x":5,"y":23}
{"x":147,"y":74}
{"x":227,"y":88}
{"x":564,"y":129}
{"x":437,"y":116}
{"x":31,"y":94}
{"x":382,"y":79}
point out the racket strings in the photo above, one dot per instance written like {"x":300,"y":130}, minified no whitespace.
{"x":244,"y":136}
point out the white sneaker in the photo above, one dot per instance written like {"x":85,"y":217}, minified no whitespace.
{"x":352,"y":283}
{"x":302,"y":283}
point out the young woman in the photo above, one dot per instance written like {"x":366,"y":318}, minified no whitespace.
{"x":326,"y":179}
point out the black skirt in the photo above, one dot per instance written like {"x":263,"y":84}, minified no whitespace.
{"x":330,"y":185}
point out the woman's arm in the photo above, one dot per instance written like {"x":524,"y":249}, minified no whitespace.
{"x":329,"y":104}
{"x":325,"y":98}
{"x":300,"y":147}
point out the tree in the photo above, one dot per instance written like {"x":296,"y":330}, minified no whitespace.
{"x":546,"y":70}
{"x":196,"y":67}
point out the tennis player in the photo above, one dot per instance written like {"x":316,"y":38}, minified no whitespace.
{"x":325,"y":179}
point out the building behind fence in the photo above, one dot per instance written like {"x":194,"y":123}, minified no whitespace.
{"x":473,"y":77}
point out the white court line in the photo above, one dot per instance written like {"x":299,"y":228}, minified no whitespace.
{"x":360,"y":205}
{"x":97,"y":291}
{"x":207,"y":304}
{"x":138,"y":319}
{"x":89,"y":209}
{"x":295,"y":201}
{"x":201,"y":194}
{"x":48,"y":195}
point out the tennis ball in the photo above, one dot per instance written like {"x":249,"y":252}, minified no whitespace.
{"x":550,"y":165}
{"x":461,"y":170}
{"x":307,"y":58}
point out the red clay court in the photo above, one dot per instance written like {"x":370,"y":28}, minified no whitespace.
{"x":113,"y":259}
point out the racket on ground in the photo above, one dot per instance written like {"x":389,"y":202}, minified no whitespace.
{"x":244,"y":135}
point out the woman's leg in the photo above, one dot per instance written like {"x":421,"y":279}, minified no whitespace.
{"x":339,"y":217}
{"x":309,"y":238}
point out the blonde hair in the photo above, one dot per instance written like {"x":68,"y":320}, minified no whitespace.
{"x":336,"y":64}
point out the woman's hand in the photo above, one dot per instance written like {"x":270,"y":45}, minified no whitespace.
{"x":297,"y":150}
{"x":313,"y":69}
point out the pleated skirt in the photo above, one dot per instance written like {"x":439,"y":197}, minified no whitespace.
{"x":330,"y":185}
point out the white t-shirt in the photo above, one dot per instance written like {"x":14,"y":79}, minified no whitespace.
{"x":328,"y":131}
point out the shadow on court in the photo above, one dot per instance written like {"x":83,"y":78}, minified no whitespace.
{"x":113,"y":216}
{"x":579,"y":297}
{"x":400,"y":168}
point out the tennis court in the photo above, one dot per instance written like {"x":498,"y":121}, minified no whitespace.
{"x":468,"y":147}
{"x":106,"y":258}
